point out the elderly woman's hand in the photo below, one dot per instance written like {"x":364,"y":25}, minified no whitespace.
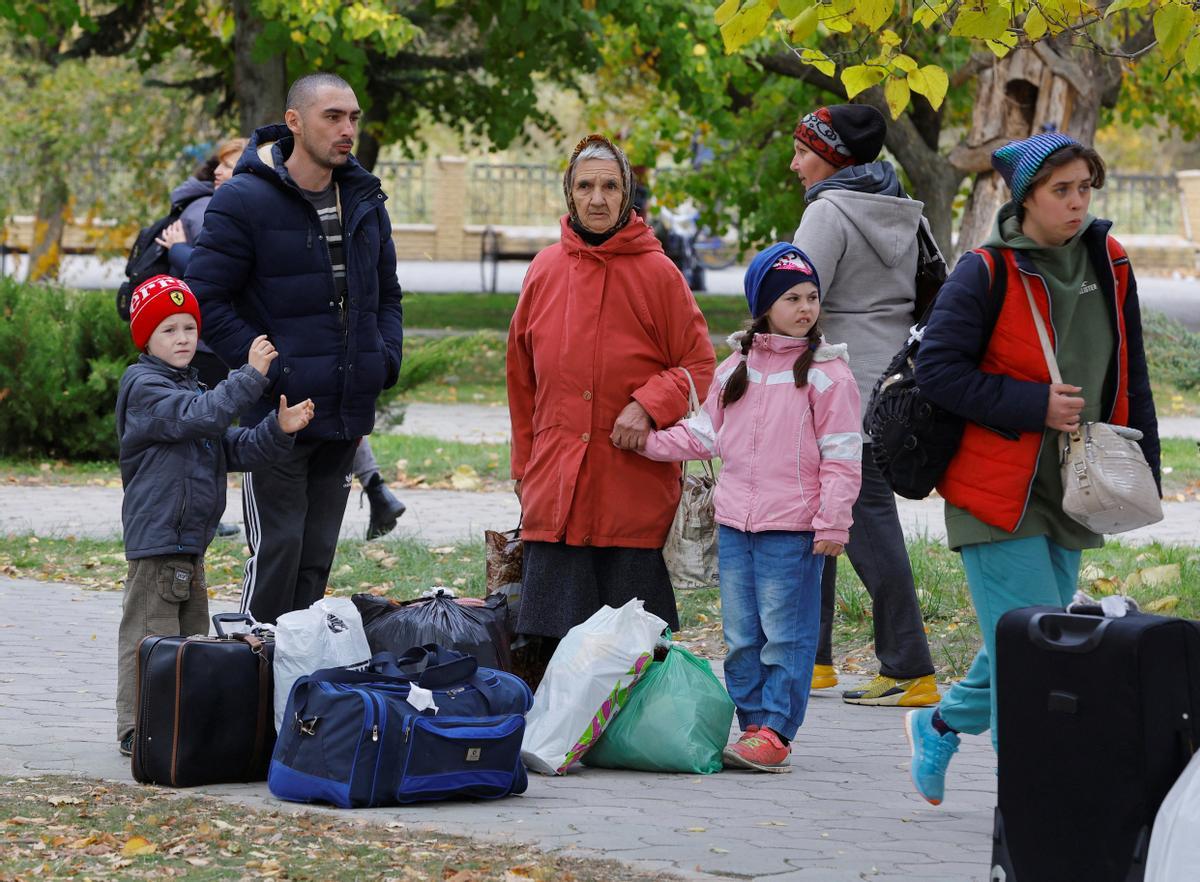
{"x":631,"y":428}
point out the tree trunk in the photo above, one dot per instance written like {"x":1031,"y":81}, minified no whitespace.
{"x":259,"y":88}
{"x":368,"y":149}
{"x":53,"y":211}
{"x":1016,"y":97}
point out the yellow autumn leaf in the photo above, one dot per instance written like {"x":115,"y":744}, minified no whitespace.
{"x":1035,"y":24}
{"x":793,"y":8}
{"x":930,"y":81}
{"x":861,"y":77}
{"x":874,"y":13}
{"x":1172,"y":25}
{"x":746,"y":24}
{"x":905,"y":63}
{"x":725,"y":11}
{"x":838,"y":24}
{"x":804,"y":25}
{"x":889,"y":38}
{"x":1157,"y":577}
{"x":819,"y":60}
{"x":895,"y":90}
{"x":1162,"y":606}
{"x":138,"y":845}
{"x":1191,"y":56}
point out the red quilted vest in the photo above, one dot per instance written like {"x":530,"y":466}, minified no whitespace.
{"x":990,"y":476}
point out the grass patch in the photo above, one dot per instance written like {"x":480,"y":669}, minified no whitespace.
{"x":474,"y":311}
{"x":1181,"y":468}
{"x":1162,"y":578}
{"x":421,"y":461}
{"x":61,"y":828}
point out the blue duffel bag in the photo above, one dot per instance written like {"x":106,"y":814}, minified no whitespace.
{"x":354,"y":738}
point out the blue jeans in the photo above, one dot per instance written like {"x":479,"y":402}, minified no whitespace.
{"x":1002,"y":576}
{"x":771,"y":609}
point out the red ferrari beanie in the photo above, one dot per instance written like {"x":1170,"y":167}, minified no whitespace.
{"x":156,"y":299}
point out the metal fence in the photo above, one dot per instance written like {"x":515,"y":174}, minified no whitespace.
{"x":407,"y":188}
{"x":514,"y":194}
{"x":1140,"y":204}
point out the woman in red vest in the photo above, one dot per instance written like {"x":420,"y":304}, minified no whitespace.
{"x":981,"y":358}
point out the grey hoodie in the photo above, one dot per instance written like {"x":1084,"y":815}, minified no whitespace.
{"x":864,"y":246}
{"x":200,"y":192}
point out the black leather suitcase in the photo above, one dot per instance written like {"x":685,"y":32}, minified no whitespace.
{"x":205,"y":711}
{"x":1096,"y":719}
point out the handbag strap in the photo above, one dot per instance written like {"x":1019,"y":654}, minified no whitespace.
{"x":1043,"y":336}
{"x":693,"y":409}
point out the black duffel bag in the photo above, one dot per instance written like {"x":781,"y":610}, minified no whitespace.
{"x":913,"y":439}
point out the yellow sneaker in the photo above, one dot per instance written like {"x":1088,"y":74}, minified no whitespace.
{"x":890,"y":692}
{"x":824,"y":677}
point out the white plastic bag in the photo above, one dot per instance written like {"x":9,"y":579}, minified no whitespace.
{"x":586,"y":684}
{"x":1174,"y":844}
{"x":329,"y":634}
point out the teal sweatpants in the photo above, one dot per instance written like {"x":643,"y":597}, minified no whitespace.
{"x":1003,"y":576}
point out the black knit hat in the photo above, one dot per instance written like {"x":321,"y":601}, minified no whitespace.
{"x":844,"y":134}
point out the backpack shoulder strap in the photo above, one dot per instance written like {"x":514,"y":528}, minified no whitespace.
{"x":997,"y":264}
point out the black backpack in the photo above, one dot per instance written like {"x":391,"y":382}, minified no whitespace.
{"x":931,"y":270}
{"x":913,"y":438}
{"x":147,"y":258}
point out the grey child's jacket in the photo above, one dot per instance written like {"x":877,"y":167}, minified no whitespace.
{"x":176,"y":448}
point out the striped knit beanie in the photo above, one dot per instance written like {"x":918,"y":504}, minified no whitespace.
{"x":1019,"y":161}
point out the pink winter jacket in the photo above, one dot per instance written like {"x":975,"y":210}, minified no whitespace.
{"x":791,"y":457}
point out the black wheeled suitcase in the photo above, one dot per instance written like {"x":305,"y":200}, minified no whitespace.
{"x":1096,"y":719}
{"x":205,"y":710}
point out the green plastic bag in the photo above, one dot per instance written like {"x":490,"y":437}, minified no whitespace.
{"x":677,"y":720}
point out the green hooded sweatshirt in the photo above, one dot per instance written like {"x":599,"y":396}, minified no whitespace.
{"x":1082,"y":331}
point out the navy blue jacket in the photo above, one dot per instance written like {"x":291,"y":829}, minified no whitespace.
{"x":959,"y":329}
{"x":261,"y":266}
{"x":176,"y":448}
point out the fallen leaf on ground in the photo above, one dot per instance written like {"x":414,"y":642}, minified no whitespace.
{"x":1162,"y":605}
{"x":138,"y":845}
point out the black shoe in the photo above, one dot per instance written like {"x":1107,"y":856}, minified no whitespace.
{"x":224,"y":529}
{"x":126,"y":745}
{"x":385,"y":507}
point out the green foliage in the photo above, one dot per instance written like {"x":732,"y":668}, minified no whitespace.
{"x":99,"y":128}
{"x":62,"y":354}
{"x":1172,"y":351}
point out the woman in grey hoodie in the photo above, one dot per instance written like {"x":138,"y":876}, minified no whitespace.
{"x":860,"y":229}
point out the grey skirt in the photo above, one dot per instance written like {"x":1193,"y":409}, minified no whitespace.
{"x":562,"y":585}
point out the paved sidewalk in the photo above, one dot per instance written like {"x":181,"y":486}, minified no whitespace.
{"x":438,"y":516}
{"x":844,"y":814}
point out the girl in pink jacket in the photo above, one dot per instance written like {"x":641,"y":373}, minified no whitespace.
{"x":783,"y":416}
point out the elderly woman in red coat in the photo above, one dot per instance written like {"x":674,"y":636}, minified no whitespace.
{"x":602,"y":333}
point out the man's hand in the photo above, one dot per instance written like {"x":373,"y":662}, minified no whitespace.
{"x":172,"y":234}
{"x":293,"y":419}
{"x":631,"y":428}
{"x":828,"y":547}
{"x":1064,"y":409}
{"x":517,"y":489}
{"x":262,"y":353}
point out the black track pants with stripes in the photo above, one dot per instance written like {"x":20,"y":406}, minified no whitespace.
{"x":293,"y":512}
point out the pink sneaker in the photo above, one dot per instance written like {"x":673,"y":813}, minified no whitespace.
{"x":759,"y":750}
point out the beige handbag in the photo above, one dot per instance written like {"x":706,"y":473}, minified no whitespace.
{"x":1107,"y":484}
{"x":690,"y":551}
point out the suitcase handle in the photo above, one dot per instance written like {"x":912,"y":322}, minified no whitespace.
{"x":1063,"y":632}
{"x":230,"y":617}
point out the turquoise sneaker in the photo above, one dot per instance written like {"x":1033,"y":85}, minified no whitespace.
{"x":931,"y":754}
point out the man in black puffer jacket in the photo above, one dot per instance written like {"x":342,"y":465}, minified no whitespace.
{"x":297,"y":246}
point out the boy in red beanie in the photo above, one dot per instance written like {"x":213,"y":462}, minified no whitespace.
{"x":176,"y":448}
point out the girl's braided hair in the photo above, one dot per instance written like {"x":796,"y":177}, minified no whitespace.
{"x":735,"y":386}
